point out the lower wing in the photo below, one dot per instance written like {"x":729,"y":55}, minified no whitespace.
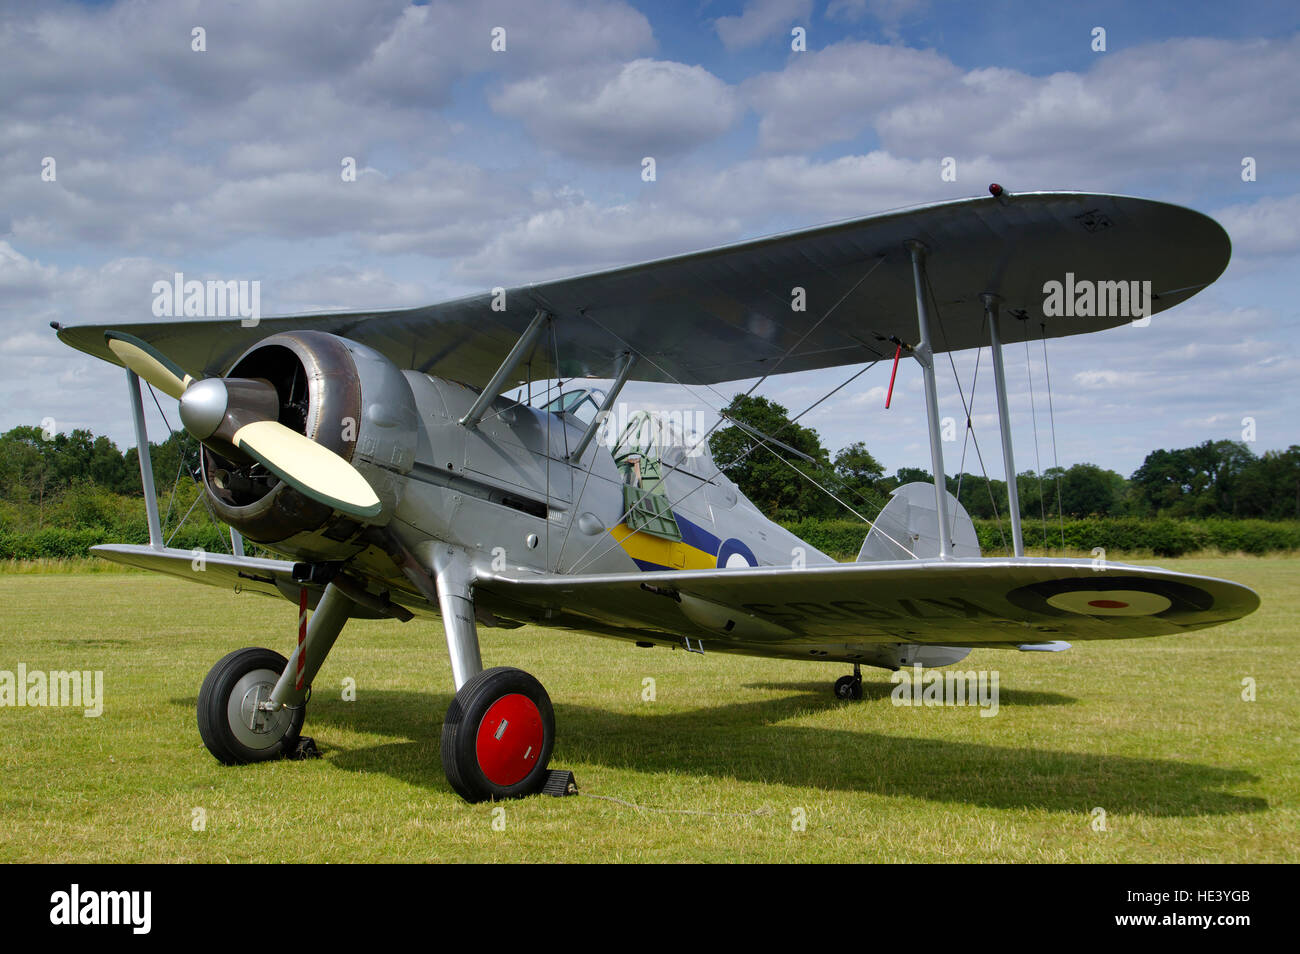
{"x":984,"y":602}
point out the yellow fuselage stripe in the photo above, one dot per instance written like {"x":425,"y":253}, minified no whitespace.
{"x":667,"y":553}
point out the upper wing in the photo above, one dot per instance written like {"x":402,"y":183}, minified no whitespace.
{"x":982,"y":602}
{"x":725,"y":314}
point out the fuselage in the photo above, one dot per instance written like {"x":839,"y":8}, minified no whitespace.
{"x":507,"y":491}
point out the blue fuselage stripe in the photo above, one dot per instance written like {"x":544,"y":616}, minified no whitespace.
{"x":696,"y":536}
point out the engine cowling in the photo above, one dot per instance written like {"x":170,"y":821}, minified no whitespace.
{"x":346,"y":397}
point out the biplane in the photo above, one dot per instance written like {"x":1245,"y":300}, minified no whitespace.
{"x":384,"y":456}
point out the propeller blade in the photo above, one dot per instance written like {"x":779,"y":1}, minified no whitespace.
{"x":308,"y":467}
{"x":148,"y":363}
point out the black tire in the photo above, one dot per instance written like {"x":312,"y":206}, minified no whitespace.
{"x":230,"y":744}
{"x":848,"y":687}
{"x":464,"y":724}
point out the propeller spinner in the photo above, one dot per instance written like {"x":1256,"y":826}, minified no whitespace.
{"x":237,"y":418}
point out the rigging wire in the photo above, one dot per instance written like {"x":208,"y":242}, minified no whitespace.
{"x":703,"y":481}
{"x":725,"y":401}
{"x":753,"y":447}
{"x":816,"y":325}
{"x":1038,"y":463}
{"x":1056,"y":463}
{"x":207,"y":505}
{"x":970,"y":426}
{"x":180,"y":465}
{"x":546,"y":458}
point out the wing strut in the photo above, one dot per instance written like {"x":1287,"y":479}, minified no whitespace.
{"x":146,"y":465}
{"x":625,"y":368}
{"x":516,"y":355}
{"x":925,"y":356}
{"x":1004,"y":421}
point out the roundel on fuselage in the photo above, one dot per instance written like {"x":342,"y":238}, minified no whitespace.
{"x":734,"y":553}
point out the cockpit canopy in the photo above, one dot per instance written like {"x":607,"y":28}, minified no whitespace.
{"x":646,"y":446}
{"x":580,"y":404}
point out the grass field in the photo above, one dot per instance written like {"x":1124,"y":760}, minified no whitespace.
{"x":728,"y":756}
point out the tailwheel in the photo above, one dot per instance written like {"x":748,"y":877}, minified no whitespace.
{"x":232,"y":722}
{"x":849,"y":687}
{"x":498,"y":736}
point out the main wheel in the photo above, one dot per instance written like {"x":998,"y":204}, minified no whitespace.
{"x":498,"y":735}
{"x":232,"y":726}
{"x":848,"y":687}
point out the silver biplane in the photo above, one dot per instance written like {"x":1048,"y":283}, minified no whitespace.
{"x":383,"y":456}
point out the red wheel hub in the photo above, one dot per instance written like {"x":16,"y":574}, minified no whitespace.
{"x":510,"y":739}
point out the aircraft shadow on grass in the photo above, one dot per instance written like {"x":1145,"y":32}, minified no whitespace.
{"x":882,"y":690}
{"x":748,"y":741}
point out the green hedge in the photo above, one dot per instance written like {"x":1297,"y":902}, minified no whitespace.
{"x":58,"y":543}
{"x":840,"y":538}
{"x":1117,"y":535}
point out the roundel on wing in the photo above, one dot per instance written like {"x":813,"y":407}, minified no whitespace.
{"x":1114,"y":596}
{"x":734,"y":553}
{"x":1110,"y":602}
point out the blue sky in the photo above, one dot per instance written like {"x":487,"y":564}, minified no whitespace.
{"x":481,"y":168}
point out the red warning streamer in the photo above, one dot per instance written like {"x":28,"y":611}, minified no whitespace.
{"x":893,"y":374}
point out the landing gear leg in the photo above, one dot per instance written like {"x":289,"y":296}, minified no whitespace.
{"x":850,"y":687}
{"x":252,"y":704}
{"x":499,"y":731}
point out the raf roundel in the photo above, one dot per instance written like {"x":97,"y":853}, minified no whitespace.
{"x":734,"y":553}
{"x":1110,"y":602}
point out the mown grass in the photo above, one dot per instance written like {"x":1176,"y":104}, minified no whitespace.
{"x":1154,"y":732}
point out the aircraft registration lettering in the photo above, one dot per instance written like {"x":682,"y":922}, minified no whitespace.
{"x":955,"y":607}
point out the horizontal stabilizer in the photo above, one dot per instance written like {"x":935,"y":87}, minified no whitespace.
{"x":908,"y":527}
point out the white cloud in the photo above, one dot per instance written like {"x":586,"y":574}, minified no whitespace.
{"x":835,"y":93}
{"x":759,"y":20}
{"x":643,"y":108}
{"x":1269,"y":226}
{"x":226,"y":164}
{"x":804,"y":192}
{"x":1169,"y":105}
{"x":594,"y":237}
{"x":1098,"y":379}
{"x":90,"y":393}
{"x":145,"y":131}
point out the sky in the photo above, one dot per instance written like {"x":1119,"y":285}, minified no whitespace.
{"x":479,"y":167}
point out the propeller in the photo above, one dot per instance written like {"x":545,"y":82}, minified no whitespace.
{"x":148,"y":363}
{"x":238,"y":418}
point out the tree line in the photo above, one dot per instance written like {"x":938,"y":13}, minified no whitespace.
{"x":1213,"y":479}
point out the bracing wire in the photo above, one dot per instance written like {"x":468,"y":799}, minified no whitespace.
{"x":1038,"y":463}
{"x":722,"y":397}
{"x":753,"y":447}
{"x":207,"y":506}
{"x":970,"y":426}
{"x":1056,"y":463}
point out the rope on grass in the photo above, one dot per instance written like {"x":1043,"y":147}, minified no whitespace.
{"x":765,"y":810}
